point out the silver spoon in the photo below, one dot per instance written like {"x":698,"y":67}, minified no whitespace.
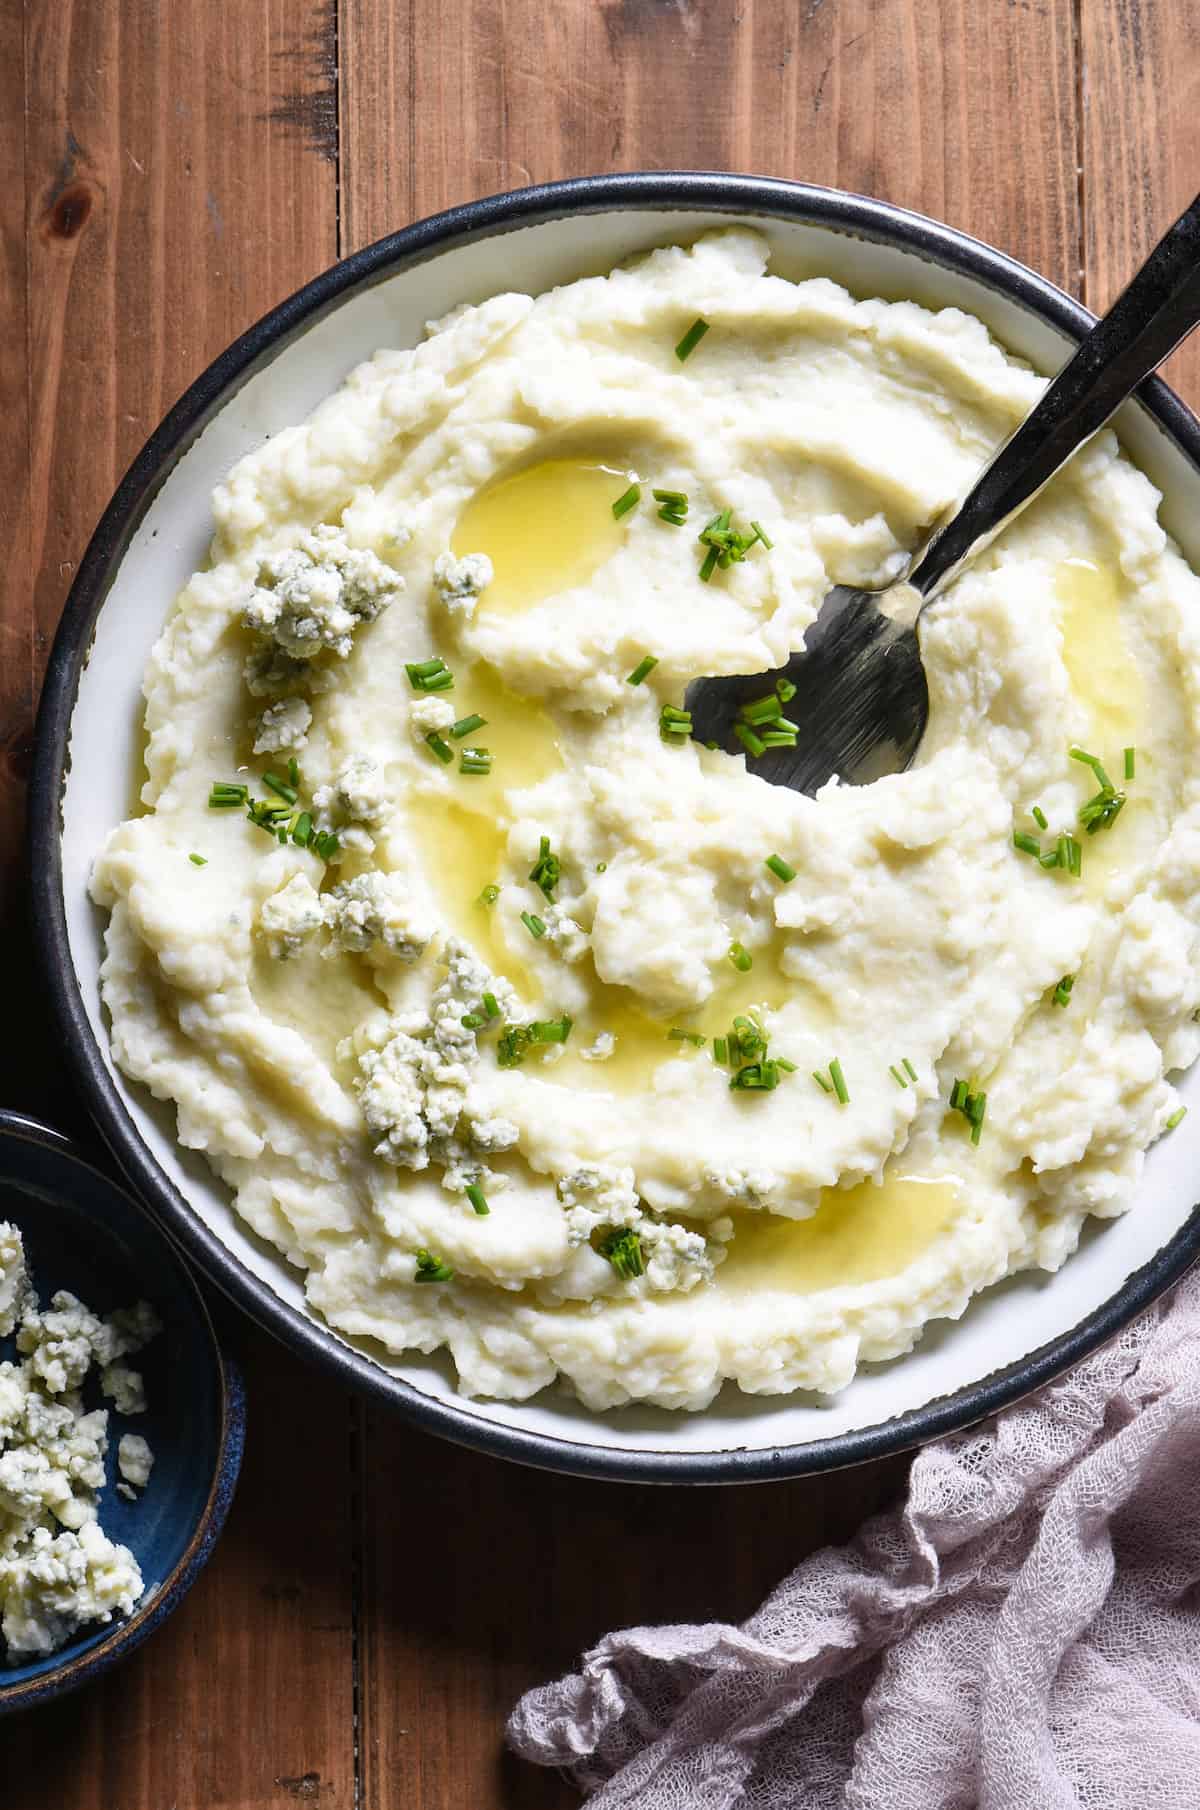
{"x":861,"y":701}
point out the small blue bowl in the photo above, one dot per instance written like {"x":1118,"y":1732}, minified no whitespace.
{"x":83,"y":1233}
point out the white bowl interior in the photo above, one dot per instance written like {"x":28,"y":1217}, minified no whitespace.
{"x":999,"y":1328}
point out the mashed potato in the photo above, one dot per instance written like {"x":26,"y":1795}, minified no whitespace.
{"x":529,"y":1028}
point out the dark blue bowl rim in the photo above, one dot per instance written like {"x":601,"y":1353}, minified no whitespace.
{"x":670,"y":191}
{"x":125,"y":1636}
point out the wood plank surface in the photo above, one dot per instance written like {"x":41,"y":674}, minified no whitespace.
{"x":964,"y":109}
{"x":172,"y":173}
{"x":1140,"y":159}
{"x":178,"y":182}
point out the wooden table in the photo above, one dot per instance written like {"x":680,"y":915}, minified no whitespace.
{"x":380,"y":1599}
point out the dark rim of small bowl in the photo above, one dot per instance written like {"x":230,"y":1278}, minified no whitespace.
{"x":691,"y":192}
{"x":16,"y":1127}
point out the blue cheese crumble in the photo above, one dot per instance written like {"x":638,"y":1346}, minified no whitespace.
{"x":313,"y":596}
{"x":459,"y":582}
{"x":59,"y":1571}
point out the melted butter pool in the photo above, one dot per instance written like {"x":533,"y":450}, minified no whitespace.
{"x":1103,"y":674}
{"x":1106,"y":679}
{"x":323,"y":1001}
{"x":857,"y":1235}
{"x":545,"y":529}
{"x":520,"y":733}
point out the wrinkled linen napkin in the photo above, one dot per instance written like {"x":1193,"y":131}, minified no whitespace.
{"x":1023,"y":1634}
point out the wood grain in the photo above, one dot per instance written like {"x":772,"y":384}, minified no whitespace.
{"x":177,"y":185}
{"x":961,"y":108}
{"x":481,"y":1578}
{"x":171,"y":175}
{"x":245,"y":1698}
{"x":1140,"y":83}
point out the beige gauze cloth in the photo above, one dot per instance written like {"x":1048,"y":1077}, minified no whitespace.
{"x":1022,"y":1634}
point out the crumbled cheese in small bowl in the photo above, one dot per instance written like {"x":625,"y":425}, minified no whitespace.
{"x":120,"y":1421}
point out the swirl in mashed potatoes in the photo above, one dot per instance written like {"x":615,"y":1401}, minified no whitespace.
{"x":571,"y":1045}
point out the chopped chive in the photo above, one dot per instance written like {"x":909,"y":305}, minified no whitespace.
{"x":478,"y":1199}
{"x":1074,"y":857}
{"x":225,"y":795}
{"x":198,"y":860}
{"x":265,"y":815}
{"x":472,"y":1021}
{"x":822,"y":1083}
{"x":789,"y":1068}
{"x":302,"y":830}
{"x":741,"y":958}
{"x":1063,"y":851}
{"x":550,"y":1030}
{"x":643,"y":669}
{"x":1039,"y":817}
{"x":432,"y":1269}
{"x":547,"y":869}
{"x":281,"y":787}
{"x":602,"y":867}
{"x":1130,"y":757}
{"x":674,"y":725}
{"x":491,"y":1005}
{"x":781,"y":869}
{"x":709,"y":566}
{"x":778,"y":737}
{"x":720,"y":1051}
{"x":1176,"y":1118}
{"x":1102,"y":811}
{"x":512,"y":1046}
{"x":691,"y":339}
{"x":533,"y":924}
{"x":692,"y":1037}
{"x":909,"y":1070}
{"x":623,"y":1248}
{"x":674,"y":507}
{"x":897,"y":1077}
{"x":466,"y":724}
{"x":429,"y":675}
{"x":972,"y":1106}
{"x":763,"y":536}
{"x":839,"y":1082}
{"x":294,"y":770}
{"x":1092,"y":761}
{"x":756,"y":1077}
{"x":1062,"y":992}
{"x":752,"y":743}
{"x":1029,"y":845}
{"x":785,"y":690}
{"x":475,"y":760}
{"x":439,"y":746}
{"x":489,"y":895}
{"x":762,"y":710}
{"x":628,"y":500}
{"x":327,"y":845}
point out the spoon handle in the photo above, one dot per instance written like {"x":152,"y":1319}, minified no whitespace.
{"x":1146,"y":322}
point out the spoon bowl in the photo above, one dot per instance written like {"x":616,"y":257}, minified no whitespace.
{"x":856,"y":689}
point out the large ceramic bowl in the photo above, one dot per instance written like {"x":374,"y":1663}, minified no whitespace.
{"x":155,"y":533}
